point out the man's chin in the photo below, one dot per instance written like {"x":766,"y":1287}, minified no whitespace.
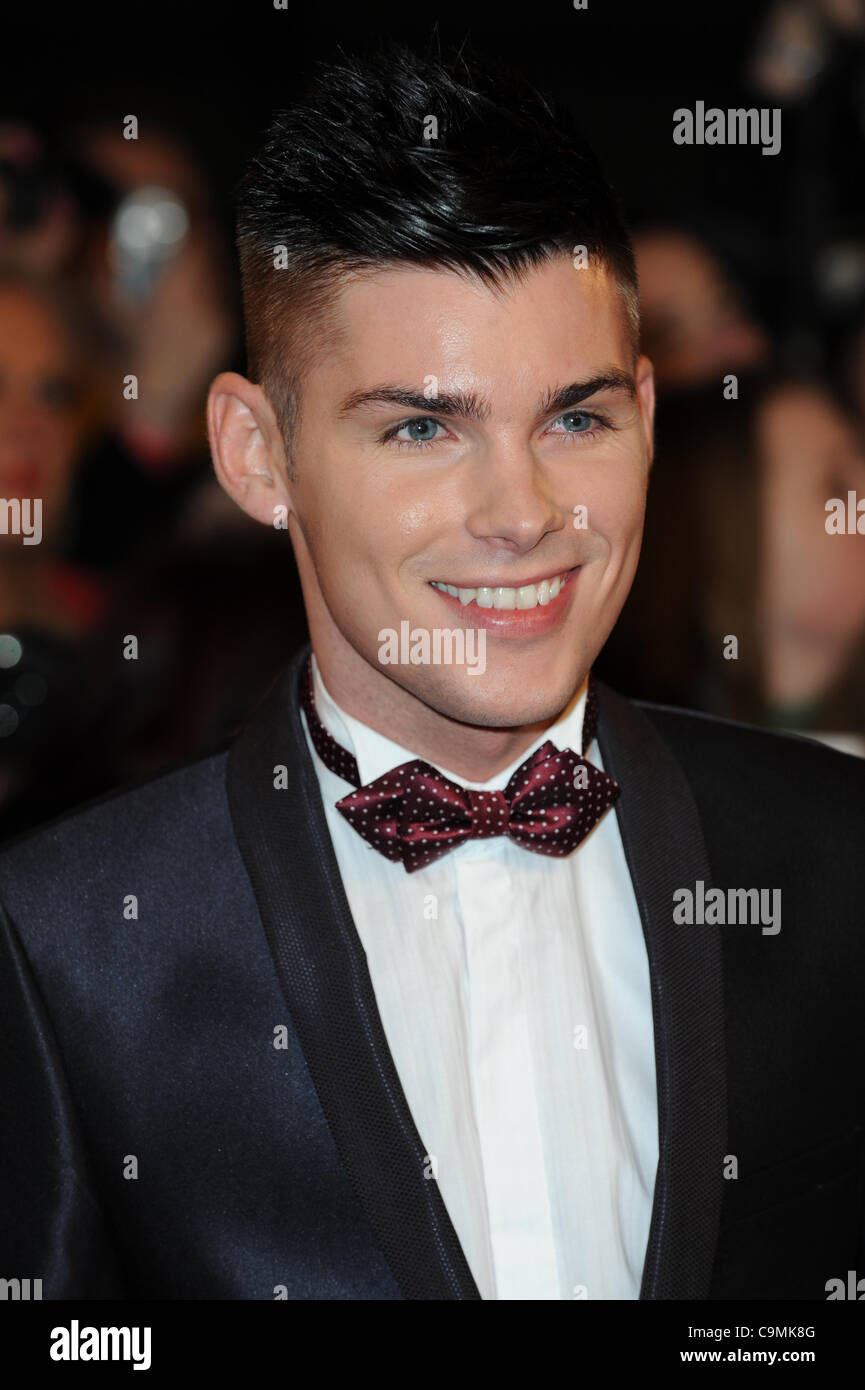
{"x":491,"y":699}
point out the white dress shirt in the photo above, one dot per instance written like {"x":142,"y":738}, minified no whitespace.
{"x":514,"y":993}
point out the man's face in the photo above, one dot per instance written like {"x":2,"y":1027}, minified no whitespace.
{"x":493,"y":480}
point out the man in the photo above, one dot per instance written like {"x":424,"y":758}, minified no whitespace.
{"x":459,"y":975}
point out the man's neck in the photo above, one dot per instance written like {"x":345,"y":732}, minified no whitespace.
{"x":474,"y":752}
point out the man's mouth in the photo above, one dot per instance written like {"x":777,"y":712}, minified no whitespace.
{"x":503,"y":596}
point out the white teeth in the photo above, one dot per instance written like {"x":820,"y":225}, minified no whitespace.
{"x":528,"y":596}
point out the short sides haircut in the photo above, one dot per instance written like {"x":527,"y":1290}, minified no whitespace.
{"x":393,"y":160}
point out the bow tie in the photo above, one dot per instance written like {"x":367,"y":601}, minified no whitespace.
{"x":414,"y":814}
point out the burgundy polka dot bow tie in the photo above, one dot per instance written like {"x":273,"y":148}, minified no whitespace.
{"x":414,"y":814}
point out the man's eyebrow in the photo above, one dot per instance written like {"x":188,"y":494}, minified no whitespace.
{"x":468,"y":405}
{"x":577,"y":391}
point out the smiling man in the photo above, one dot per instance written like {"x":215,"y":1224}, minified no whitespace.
{"x":397,"y":491}
{"x":396,"y":999}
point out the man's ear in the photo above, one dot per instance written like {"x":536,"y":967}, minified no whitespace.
{"x":246,"y":446}
{"x":644,"y":376}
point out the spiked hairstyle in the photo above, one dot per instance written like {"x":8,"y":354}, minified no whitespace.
{"x":393,"y":160}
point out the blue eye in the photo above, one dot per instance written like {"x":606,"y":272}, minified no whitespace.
{"x":588,"y":425}
{"x":421,"y":430}
{"x":586,"y":420}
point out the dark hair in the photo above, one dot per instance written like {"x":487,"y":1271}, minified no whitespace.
{"x":351,"y":180}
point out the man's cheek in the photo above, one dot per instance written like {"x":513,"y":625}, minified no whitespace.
{"x":628,"y":521}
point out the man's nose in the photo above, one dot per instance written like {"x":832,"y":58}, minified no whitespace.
{"x":510,"y":498}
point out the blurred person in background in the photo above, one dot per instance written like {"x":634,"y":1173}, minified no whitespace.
{"x":157,"y":275}
{"x":41,"y":222}
{"x":795,"y":44}
{"x":46,"y":605}
{"x":129,"y":225}
{"x":736,"y":545}
{"x":127,"y":228}
{"x":696,"y":324}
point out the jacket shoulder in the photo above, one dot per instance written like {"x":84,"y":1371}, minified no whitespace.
{"x":710,"y":732}
{"x":179,"y":817}
{"x":746,"y":770}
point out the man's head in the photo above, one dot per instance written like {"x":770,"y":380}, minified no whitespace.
{"x":441,"y":316}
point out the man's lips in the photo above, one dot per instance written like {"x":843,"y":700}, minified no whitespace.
{"x":514,"y":621}
{"x":510,"y":583}
{"x":523,"y":593}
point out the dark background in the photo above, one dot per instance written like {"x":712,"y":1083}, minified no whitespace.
{"x":215,"y":71}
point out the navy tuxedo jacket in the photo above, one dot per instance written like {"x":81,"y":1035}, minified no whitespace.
{"x":157,"y":1144}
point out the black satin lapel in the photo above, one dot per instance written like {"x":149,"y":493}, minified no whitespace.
{"x":665,"y":850}
{"x":321,"y":964}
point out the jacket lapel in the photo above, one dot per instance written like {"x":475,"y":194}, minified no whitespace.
{"x":283,"y":836}
{"x":665,"y":851}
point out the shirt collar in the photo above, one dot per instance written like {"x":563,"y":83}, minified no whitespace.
{"x":375,"y":754}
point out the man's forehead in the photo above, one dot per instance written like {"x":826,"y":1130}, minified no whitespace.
{"x":374,"y":293}
{"x":436,"y":327}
